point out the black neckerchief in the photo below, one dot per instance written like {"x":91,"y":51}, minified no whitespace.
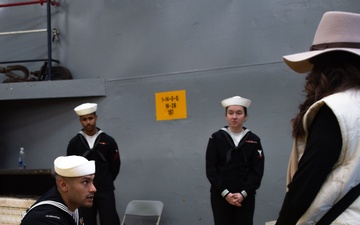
{"x":87,"y":152}
{"x":233,"y":147}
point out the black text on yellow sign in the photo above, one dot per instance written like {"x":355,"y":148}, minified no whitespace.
{"x":171,"y":105}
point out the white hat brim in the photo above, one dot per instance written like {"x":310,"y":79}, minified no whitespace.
{"x":236,"y":100}
{"x":73,"y":166}
{"x":300,"y":62}
{"x":85,"y":109}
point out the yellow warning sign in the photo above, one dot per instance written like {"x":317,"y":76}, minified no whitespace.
{"x":171,"y":105}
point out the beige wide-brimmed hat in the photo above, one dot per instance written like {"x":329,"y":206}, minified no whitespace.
{"x":337,"y":31}
{"x":236,"y":100}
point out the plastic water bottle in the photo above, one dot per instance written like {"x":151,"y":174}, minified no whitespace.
{"x":22,"y":162}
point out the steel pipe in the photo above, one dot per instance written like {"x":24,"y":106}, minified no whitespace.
{"x":28,"y":60}
{"x":22,"y":32}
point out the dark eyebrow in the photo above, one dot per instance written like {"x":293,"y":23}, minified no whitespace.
{"x":87,"y":178}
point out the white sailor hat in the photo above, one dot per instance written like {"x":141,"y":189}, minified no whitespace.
{"x":73,"y":166}
{"x":236,"y":100}
{"x":85,"y":109}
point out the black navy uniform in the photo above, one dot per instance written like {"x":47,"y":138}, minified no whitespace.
{"x":105,"y":153}
{"x":50,"y":209}
{"x":236,"y":169}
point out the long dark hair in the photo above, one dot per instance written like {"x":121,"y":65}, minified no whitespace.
{"x":332,"y":72}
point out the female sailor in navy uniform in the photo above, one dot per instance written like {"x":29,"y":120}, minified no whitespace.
{"x":234,"y":166}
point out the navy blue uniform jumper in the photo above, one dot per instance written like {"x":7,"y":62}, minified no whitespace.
{"x":235,"y":168}
{"x":47,"y":214}
{"x":105,"y":153}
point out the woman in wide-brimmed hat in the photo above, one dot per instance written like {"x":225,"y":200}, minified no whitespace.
{"x":325,"y":160}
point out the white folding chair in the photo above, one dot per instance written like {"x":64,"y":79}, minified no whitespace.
{"x":141,"y":212}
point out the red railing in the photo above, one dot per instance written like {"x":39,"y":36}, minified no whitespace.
{"x":41,"y":2}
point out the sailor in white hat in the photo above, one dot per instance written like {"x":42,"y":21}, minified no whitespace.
{"x":94,"y":144}
{"x":236,"y":112}
{"x":87,"y":116}
{"x":74,"y":188}
{"x":234,"y":166}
